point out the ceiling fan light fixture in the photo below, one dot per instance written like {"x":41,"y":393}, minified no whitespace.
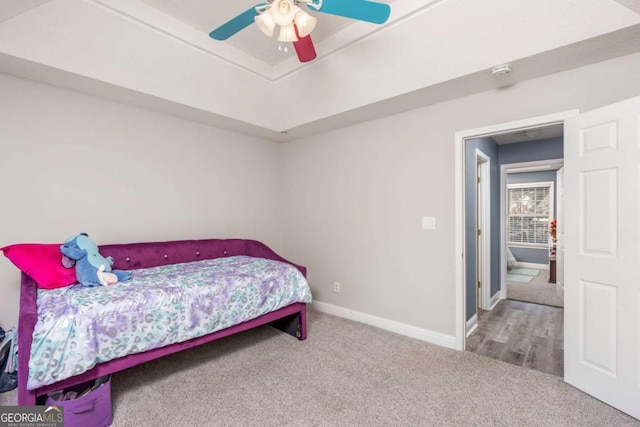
{"x":287,"y":33}
{"x":305,"y":23}
{"x":283,"y":11}
{"x":265,"y":22}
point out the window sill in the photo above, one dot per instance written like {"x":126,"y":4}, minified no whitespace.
{"x":529,"y":246}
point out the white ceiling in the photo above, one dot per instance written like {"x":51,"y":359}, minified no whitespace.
{"x":533,"y":134}
{"x":157,"y":54}
{"x":11,"y":8}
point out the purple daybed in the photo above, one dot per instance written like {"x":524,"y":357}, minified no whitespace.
{"x":291,"y":318}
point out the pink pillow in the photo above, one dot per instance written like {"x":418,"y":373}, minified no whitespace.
{"x":43,"y":263}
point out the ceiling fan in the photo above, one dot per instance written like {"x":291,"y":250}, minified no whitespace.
{"x":295,"y":24}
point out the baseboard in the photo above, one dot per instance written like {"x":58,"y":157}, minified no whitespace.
{"x":495,"y":299}
{"x":533,"y":265}
{"x":472,"y":324}
{"x":448,"y":341}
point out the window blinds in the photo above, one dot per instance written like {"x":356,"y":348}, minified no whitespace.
{"x":529,"y":213}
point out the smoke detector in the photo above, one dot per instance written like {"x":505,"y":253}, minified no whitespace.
{"x":501,"y":70}
{"x":532,"y":133}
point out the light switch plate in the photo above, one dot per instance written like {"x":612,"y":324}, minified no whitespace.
{"x":428,"y":223}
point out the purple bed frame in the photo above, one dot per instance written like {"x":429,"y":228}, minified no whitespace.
{"x":291,"y":319}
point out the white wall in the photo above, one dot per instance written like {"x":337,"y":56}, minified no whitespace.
{"x":355,"y":196}
{"x":73,"y":163}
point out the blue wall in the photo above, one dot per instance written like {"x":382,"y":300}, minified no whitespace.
{"x":490,"y":149}
{"x":534,"y":255}
{"x":544,"y":149}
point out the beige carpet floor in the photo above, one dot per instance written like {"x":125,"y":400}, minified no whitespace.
{"x":344,"y":374}
{"x":538,"y":291}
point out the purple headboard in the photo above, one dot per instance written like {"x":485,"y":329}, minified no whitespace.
{"x":143,"y":255}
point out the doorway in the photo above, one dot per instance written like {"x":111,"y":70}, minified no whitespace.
{"x":531,"y":194}
{"x":462,"y":268}
{"x":526,"y":328}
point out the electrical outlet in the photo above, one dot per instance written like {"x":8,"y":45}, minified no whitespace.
{"x":336,"y":287}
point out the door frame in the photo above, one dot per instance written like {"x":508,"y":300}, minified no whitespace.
{"x":459,"y":149}
{"x":560,"y":232}
{"x":483,"y":251}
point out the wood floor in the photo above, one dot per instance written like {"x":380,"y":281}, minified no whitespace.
{"x":521,"y":333}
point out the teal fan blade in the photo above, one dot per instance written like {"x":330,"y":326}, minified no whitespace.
{"x":362,"y":10}
{"x":235,"y":25}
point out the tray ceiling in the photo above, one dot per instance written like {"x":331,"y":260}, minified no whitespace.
{"x":157,"y":54}
{"x":206,"y":15}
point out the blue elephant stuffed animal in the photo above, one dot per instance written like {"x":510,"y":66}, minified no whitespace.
{"x":92,"y":269}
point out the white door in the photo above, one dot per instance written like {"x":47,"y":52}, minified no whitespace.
{"x":602,"y":260}
{"x":560,"y":233}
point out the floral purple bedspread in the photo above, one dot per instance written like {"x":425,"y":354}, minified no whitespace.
{"x":79,"y":327}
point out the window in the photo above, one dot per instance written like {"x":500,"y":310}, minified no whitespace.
{"x":529,"y":213}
